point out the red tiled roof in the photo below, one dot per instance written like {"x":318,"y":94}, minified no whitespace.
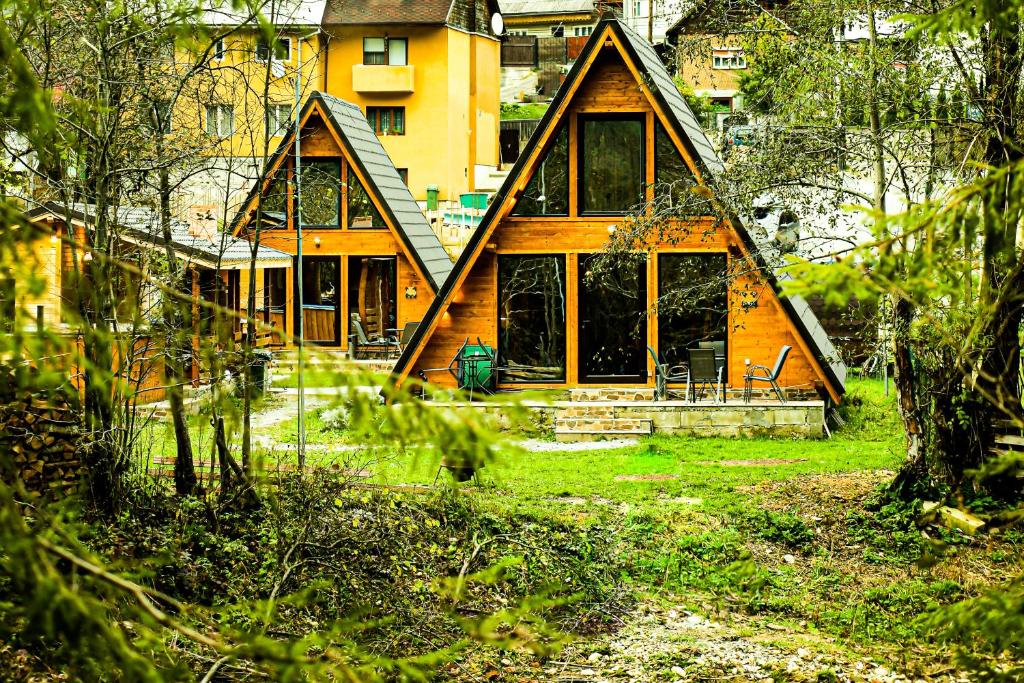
{"x":387,"y":11}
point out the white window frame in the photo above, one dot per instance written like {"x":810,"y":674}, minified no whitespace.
{"x":282,"y":117}
{"x":218,"y":50}
{"x":223,"y":116}
{"x":271,"y":51}
{"x":387,"y":50}
{"x":732,"y":59}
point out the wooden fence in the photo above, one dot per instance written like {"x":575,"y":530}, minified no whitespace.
{"x":519,"y":51}
{"x":551,"y":51}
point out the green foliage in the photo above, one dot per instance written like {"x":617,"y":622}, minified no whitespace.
{"x":513,"y":110}
{"x":778,"y":527}
{"x":700,"y":105}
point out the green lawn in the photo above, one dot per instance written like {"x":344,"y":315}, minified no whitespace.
{"x":523,"y":111}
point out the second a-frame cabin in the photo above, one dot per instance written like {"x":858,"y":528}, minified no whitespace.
{"x":368,"y":250}
{"x":617,"y":129}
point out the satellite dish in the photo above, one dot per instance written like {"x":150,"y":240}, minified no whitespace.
{"x":497,"y":24}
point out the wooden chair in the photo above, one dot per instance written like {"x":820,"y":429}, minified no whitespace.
{"x":663,"y":374}
{"x":360,"y":344}
{"x":761,"y":373}
{"x":704,"y":372}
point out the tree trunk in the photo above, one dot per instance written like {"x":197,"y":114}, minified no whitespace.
{"x":185,"y":480}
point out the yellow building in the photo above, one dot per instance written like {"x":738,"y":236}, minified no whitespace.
{"x":426,"y":74}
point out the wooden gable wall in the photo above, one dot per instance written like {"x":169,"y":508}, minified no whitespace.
{"x":319,"y":141}
{"x":756,"y":333}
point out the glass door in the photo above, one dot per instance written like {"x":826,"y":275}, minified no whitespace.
{"x":321,"y":300}
{"x":373,"y":295}
{"x":612,"y":319}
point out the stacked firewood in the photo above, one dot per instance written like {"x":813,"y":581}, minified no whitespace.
{"x":42,"y":435}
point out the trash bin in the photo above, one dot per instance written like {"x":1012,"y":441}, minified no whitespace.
{"x":432,"y":192}
{"x":260,"y":372}
{"x":477,"y":372}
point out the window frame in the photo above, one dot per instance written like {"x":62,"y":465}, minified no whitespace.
{"x":221,"y":110}
{"x":218,"y":50}
{"x":341,"y":194}
{"x":664,"y":325}
{"x":581,"y":120}
{"x":563,"y":129}
{"x":734,"y":59}
{"x":373,"y":116}
{"x":565,"y":315}
{"x":272,"y":54}
{"x":387,"y":50}
{"x":282,"y":124}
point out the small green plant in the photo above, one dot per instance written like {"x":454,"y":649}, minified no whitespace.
{"x":779,"y":527}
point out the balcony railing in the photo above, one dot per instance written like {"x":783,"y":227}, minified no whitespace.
{"x":382,"y":78}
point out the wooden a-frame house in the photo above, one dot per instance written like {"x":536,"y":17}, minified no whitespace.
{"x":617,"y":129}
{"x":367,"y":247}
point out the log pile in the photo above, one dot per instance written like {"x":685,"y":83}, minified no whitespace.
{"x":42,"y":436}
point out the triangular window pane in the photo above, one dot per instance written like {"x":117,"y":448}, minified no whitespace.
{"x":274,"y":203}
{"x":361,"y":211}
{"x":672,"y":177}
{"x":547,"y":193}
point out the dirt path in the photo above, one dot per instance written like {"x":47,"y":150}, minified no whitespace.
{"x":667,"y":644}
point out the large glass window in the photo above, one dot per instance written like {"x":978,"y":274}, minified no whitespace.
{"x":275,"y":296}
{"x":274,"y":205}
{"x":372,"y":294}
{"x":672,"y":177}
{"x":611,"y":164}
{"x":613,"y":318}
{"x":362,"y":213}
{"x":693,"y":305}
{"x":321,"y":193}
{"x":386,"y":51}
{"x":531,"y":318}
{"x":547,"y":193}
{"x":7,"y":306}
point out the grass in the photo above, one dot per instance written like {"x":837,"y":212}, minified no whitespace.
{"x":523,"y":111}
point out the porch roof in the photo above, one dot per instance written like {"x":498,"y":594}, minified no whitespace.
{"x":141,"y":225}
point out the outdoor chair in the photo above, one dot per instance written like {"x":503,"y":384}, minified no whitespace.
{"x":704,"y":372}
{"x":407,"y":332}
{"x":363,"y":346}
{"x":663,"y":374}
{"x":762,"y":373}
{"x":718,"y":347}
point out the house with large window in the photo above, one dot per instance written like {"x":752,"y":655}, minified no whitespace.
{"x":535,"y":283}
{"x":426,"y":75}
{"x":368,"y":253}
{"x":708,"y":44}
{"x":553,"y":18}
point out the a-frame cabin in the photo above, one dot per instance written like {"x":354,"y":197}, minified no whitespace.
{"x":616,"y":127}
{"x":367,"y":247}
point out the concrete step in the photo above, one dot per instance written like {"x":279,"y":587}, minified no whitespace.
{"x":612,"y":394}
{"x":596,"y":429}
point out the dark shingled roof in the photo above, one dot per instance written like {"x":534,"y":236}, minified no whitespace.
{"x":141,"y":225}
{"x":387,"y":11}
{"x":366,"y":152}
{"x":679,"y":115}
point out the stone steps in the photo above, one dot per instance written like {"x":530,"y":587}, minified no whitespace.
{"x":611,"y":394}
{"x":596,"y":429}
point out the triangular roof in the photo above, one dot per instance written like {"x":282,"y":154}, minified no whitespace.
{"x":700,"y":156}
{"x":381,"y":180}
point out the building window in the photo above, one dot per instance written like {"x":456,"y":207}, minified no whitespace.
{"x":321,"y":193}
{"x":637,"y":8}
{"x":386,"y":120}
{"x":403,"y":173}
{"x":278,"y":118}
{"x":161,"y":113}
{"x":282,"y":50}
{"x":672,"y":177}
{"x":611,"y":163}
{"x":693,"y":306}
{"x":220,"y":120}
{"x":218,"y":49}
{"x":7,"y":307}
{"x":728,"y":58}
{"x":531,"y":318}
{"x":274,"y":205}
{"x":582,"y":31}
{"x":362,"y":212}
{"x":558,"y":31}
{"x":547,"y":193}
{"x":386,"y":51}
